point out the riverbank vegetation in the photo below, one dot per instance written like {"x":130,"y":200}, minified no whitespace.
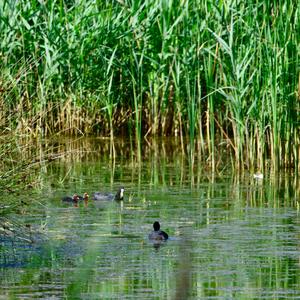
{"x":205,"y":72}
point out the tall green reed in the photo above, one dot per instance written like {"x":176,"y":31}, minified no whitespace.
{"x":212,"y":72}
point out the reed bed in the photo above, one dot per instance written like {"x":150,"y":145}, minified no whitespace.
{"x":206,"y":72}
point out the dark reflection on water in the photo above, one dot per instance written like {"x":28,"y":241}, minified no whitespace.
{"x":231,"y":237}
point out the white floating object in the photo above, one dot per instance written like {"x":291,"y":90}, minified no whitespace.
{"x":258,"y":175}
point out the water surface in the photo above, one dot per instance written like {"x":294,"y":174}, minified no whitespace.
{"x":231,"y":237}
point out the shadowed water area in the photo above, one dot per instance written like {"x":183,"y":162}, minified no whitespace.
{"x":231,"y":236}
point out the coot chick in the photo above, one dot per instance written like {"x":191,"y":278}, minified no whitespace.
{"x":85,"y":197}
{"x":108,"y":196}
{"x":157,"y":234}
{"x":74,"y":198}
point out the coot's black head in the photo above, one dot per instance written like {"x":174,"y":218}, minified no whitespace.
{"x":156,"y":226}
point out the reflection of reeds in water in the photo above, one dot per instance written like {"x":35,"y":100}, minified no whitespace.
{"x":184,"y":271}
{"x":165,"y":163}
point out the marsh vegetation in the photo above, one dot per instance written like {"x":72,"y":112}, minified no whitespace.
{"x":207,"y":72}
{"x":178,"y":101}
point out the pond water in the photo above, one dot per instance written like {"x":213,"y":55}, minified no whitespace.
{"x":231,"y":236}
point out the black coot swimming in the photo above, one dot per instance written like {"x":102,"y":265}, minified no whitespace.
{"x":108,"y":196}
{"x":157,"y":234}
